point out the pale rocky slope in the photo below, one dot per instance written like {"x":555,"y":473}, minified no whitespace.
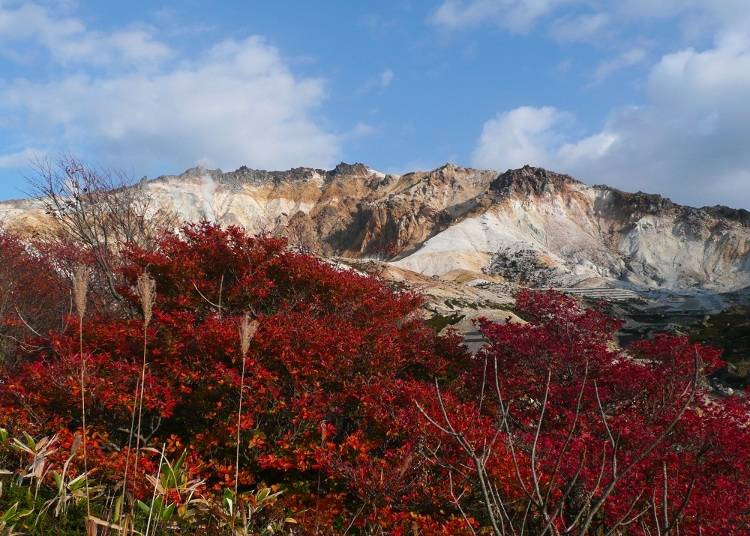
{"x":547,"y":229}
{"x":527,"y":226}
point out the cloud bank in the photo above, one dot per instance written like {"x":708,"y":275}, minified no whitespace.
{"x":130,"y":98}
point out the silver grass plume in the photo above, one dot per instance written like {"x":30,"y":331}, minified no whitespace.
{"x":146,"y":290}
{"x":247,"y":332}
{"x":80,"y":289}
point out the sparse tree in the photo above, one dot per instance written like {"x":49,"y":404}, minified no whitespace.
{"x":98,"y":213}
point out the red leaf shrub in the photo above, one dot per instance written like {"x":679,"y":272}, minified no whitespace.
{"x":32,"y":293}
{"x":331,"y":344}
{"x":615,"y":425}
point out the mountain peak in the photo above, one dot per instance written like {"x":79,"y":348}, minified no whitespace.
{"x":200,"y":171}
{"x":350,"y":169}
{"x":530,"y":180}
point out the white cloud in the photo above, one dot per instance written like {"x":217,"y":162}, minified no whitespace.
{"x":525,"y":135}
{"x":237,"y":103}
{"x":379,"y":82}
{"x":67,"y":40}
{"x":720,"y":12}
{"x":596,"y":20}
{"x":20,"y":159}
{"x":595,"y":146}
{"x":688,"y":141}
{"x":580,"y":28}
{"x":513,"y":15}
{"x":628,"y":58}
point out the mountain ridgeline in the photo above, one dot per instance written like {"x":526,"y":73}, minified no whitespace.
{"x":527,"y":226}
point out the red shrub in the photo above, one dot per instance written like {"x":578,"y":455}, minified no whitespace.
{"x":33,"y":294}
{"x":625,"y":420}
{"x":330,"y":345}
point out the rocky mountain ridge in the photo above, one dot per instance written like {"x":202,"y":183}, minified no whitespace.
{"x":525,"y":226}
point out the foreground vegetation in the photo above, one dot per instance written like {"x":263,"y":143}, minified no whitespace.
{"x":210,"y":382}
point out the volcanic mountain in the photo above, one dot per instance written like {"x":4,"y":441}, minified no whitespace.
{"x":528,"y":226}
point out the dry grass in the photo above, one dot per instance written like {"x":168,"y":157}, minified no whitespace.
{"x":80,"y":290}
{"x":146,"y":292}
{"x":247,"y":332}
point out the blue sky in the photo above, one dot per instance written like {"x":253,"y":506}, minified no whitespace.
{"x":637,"y":94}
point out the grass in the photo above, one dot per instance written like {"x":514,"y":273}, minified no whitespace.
{"x":38,"y":500}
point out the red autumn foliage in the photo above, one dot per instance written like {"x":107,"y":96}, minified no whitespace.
{"x":638,"y":433}
{"x":32,"y":294}
{"x":333,"y":374}
{"x":330,"y":343}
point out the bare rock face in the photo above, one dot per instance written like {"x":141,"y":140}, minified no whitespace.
{"x":527,"y":226}
{"x":547,"y":229}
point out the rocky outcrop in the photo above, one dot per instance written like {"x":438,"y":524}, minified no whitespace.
{"x":530,"y":181}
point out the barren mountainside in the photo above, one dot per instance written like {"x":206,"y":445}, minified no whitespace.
{"x":529,"y":226}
